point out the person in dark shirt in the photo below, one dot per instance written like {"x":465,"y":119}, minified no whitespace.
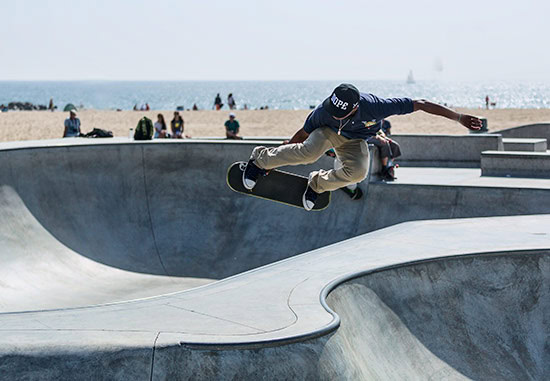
{"x":389,"y":149}
{"x":177,"y":126}
{"x":232,"y":128}
{"x":218,"y":102}
{"x":343,"y":122}
{"x":386,"y":127}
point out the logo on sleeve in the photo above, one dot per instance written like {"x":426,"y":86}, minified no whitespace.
{"x":369,"y":123}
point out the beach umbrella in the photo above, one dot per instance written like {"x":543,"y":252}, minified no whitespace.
{"x":69,"y":107}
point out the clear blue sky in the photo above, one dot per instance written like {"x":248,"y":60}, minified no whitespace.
{"x":275,"y":40}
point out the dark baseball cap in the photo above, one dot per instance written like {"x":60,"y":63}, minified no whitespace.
{"x":344,"y":98}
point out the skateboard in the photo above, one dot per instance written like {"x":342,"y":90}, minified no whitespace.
{"x":284,"y":187}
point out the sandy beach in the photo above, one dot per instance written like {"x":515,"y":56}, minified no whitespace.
{"x":33,"y":125}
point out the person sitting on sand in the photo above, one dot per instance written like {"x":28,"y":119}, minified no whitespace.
{"x":177,"y":125}
{"x":160,"y":127}
{"x":232,"y":128}
{"x":72,"y":126}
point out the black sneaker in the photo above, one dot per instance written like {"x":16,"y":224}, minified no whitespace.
{"x":309,"y":198}
{"x":251,"y":174}
{"x":388,"y":174}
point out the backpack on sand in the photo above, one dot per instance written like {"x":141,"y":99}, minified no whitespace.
{"x":144,"y":129}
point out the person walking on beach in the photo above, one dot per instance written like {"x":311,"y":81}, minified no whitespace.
{"x":232,"y":128}
{"x":343,"y":122}
{"x":72,"y":125}
{"x":231,"y":102}
{"x":218,"y":102}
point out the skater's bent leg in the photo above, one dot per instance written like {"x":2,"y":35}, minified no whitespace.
{"x":354,"y":155}
{"x":293,"y":154}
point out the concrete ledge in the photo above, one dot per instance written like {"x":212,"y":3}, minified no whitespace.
{"x":515,"y":164}
{"x":525,"y":144}
{"x":445,"y":150}
{"x":536,"y":130}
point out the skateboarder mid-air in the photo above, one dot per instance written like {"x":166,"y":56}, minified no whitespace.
{"x":343,"y":121}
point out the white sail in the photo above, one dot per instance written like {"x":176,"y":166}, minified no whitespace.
{"x":410,"y":78}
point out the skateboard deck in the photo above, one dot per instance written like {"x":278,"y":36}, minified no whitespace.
{"x":284,"y":187}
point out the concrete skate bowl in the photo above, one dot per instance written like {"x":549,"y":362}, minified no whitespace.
{"x":103,"y":246}
{"x":99,"y":223}
{"x":482,"y":317}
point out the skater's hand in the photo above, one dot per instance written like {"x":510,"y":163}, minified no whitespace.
{"x":470,"y":122}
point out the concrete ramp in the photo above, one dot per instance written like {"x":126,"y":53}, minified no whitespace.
{"x":481,"y":318}
{"x":100,"y":223}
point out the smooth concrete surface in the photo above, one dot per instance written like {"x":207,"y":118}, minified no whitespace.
{"x":103,"y":241}
{"x":461,"y":151}
{"x":516,"y":164}
{"x":525,"y":144}
{"x":196,"y":332}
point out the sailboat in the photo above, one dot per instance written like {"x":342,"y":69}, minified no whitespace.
{"x":410,"y":78}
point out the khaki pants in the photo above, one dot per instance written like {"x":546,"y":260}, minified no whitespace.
{"x":353,"y":153}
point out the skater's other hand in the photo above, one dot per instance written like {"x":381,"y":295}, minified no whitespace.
{"x":470,"y":122}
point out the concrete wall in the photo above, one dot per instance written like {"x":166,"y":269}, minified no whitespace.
{"x":536,"y":130}
{"x":445,"y":150}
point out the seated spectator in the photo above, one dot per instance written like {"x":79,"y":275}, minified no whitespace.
{"x":160,"y":127}
{"x":195,"y":108}
{"x":232,"y":128}
{"x":177,"y":125}
{"x":386,"y":127}
{"x":72,"y":125}
{"x":389,"y":150}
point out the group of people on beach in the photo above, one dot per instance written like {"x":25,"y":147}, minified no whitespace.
{"x":177,"y":124}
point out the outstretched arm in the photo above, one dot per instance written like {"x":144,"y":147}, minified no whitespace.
{"x":468,"y":121}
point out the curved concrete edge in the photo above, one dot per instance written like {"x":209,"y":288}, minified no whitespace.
{"x":227,"y":329}
{"x":233,"y":311}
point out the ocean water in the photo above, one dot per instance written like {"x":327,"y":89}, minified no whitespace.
{"x":167,"y":95}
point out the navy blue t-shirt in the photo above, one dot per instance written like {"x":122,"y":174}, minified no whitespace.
{"x":364,"y":123}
